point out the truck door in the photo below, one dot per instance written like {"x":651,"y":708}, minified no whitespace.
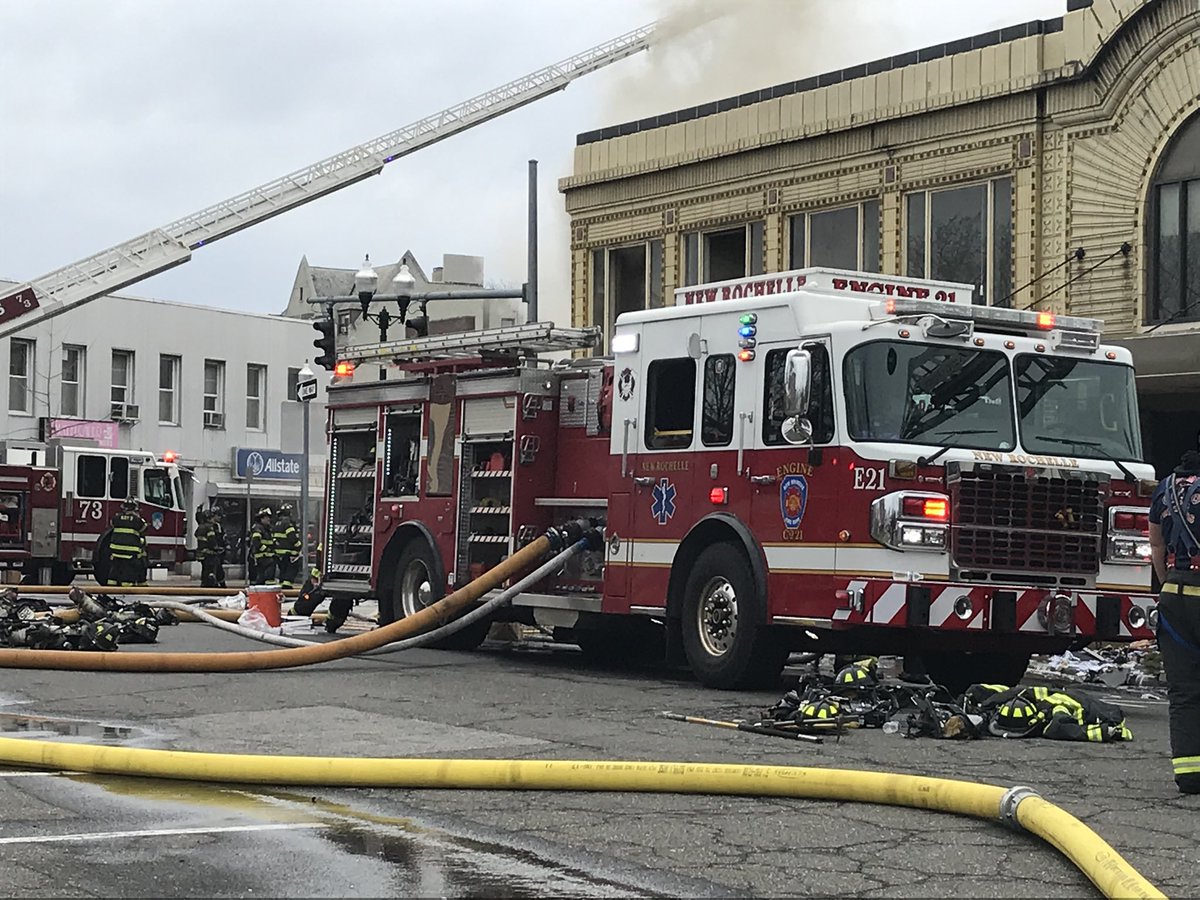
{"x":662,"y":507}
{"x":796,"y":489}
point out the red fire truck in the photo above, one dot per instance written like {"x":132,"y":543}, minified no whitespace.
{"x":810,"y":460}
{"x":56,"y":501}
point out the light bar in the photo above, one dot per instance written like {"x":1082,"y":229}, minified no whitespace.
{"x":1025,"y":320}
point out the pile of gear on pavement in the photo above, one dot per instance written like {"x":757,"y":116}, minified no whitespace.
{"x":1113,"y":665}
{"x":857,"y":697}
{"x":104,"y":622}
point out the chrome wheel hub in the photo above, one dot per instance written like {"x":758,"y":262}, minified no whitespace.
{"x":416,"y":591}
{"x":717,"y":617}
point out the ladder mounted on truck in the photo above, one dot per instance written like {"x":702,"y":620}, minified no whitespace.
{"x":171,"y":245}
{"x":535,"y":337}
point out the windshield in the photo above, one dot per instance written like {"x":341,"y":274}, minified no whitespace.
{"x":1077,"y":407}
{"x":157,"y":487}
{"x":929,"y":394}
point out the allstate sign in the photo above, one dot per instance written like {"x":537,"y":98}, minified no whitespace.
{"x":264,"y":465}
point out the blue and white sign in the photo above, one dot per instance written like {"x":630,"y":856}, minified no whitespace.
{"x":266,"y":465}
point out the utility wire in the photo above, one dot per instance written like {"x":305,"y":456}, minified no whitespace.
{"x":1077,"y":253}
{"x":1179,"y":313}
{"x":1124,"y":249}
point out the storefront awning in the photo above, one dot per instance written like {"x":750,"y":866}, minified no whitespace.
{"x":285,"y":489}
{"x":1165,"y":363}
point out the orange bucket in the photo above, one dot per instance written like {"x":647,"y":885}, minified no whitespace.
{"x":267,"y":599}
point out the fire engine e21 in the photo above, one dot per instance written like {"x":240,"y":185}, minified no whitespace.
{"x":814,"y":460}
{"x":58,"y":500}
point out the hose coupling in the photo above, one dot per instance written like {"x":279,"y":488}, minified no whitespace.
{"x":1010,"y":801}
{"x":563,"y":536}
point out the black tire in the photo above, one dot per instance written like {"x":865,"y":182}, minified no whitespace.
{"x":958,"y":671}
{"x":720,"y":593}
{"x":102,"y":559}
{"x":414,"y":586}
{"x":62,"y":573}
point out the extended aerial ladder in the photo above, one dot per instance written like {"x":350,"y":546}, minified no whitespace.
{"x":169,"y":246}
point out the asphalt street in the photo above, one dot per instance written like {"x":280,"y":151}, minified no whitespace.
{"x":68,"y":834}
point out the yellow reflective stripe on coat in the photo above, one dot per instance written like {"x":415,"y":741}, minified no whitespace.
{"x":1186,"y":765}
{"x":1095,"y":733}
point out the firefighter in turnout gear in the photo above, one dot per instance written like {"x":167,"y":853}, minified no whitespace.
{"x":127,"y":548}
{"x":262,"y":549}
{"x":210,"y":548}
{"x":1175,"y":552}
{"x":286,"y":539}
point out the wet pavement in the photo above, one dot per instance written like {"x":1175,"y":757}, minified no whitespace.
{"x":81,"y":835}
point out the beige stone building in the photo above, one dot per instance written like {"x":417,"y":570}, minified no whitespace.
{"x":991,"y":160}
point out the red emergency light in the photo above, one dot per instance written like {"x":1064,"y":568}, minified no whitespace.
{"x":170,"y":456}
{"x":1045,"y":320}
{"x":937,"y":508}
{"x":343,"y":369}
{"x":718,"y":496}
{"x":1132,"y":521}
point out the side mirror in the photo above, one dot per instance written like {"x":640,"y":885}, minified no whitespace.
{"x":796,"y":430}
{"x":797,"y":382}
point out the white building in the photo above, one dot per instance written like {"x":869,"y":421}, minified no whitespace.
{"x":457,"y":273}
{"x":154,"y":375}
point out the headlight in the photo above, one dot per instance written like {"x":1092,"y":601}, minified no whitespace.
{"x":911,"y":521}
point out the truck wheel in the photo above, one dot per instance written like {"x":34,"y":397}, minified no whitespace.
{"x":725,"y":637}
{"x":958,"y":671}
{"x":415,"y":587}
{"x":62,"y":573}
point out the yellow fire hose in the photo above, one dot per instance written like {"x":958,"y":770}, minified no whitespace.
{"x":1018,"y":807}
{"x":144,"y":590}
{"x":430,"y":617}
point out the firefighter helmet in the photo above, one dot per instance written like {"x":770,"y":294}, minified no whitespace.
{"x":202,"y":515}
{"x":855,"y":677}
{"x":1016,"y":718}
{"x":98,"y":636}
{"x":265,"y":512}
{"x":821,"y":708}
{"x":129,"y":505}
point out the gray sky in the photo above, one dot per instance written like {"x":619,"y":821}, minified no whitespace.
{"x":123,"y":115}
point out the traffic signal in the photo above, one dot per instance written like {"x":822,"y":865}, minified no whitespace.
{"x":419,"y":323}
{"x":325,"y":343}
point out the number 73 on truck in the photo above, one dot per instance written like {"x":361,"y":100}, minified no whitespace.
{"x":814,"y":460}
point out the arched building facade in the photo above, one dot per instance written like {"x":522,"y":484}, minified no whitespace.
{"x":991,"y":160}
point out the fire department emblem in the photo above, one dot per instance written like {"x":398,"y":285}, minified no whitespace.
{"x":156,"y":521}
{"x":625,"y":384}
{"x":662,"y":507}
{"x":793,"y":499}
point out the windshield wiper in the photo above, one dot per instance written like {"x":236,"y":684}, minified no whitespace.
{"x":1095,"y":445}
{"x":929,"y":460}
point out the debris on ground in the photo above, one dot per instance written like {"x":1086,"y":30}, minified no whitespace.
{"x":1113,"y":665}
{"x":104,"y":622}
{"x":858,"y":697}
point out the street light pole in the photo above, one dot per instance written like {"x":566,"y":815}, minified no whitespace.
{"x":306,"y":375}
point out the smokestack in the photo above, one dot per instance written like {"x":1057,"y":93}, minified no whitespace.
{"x":531,"y":285}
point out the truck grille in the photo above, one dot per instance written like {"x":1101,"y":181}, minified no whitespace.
{"x":1046,"y":524}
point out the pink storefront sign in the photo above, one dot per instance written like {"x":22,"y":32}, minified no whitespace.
{"x":103,"y":433}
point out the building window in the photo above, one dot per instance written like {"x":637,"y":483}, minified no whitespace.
{"x":122,"y":376}
{"x":1174,"y":225}
{"x":670,"y":403}
{"x":74,"y":369}
{"x":256,"y":399}
{"x":724,"y":254}
{"x":168,"y":389}
{"x":293,"y":380}
{"x":20,"y":375}
{"x":214,"y":393}
{"x":843,"y":238}
{"x":626,"y":279}
{"x":964,"y":234}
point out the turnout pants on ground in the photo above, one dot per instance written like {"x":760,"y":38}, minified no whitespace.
{"x":1179,"y":643}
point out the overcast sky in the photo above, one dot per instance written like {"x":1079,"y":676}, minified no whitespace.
{"x":117,"y":116}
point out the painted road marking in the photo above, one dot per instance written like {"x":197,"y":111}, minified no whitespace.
{"x":35,"y":774}
{"x":153,"y":832}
